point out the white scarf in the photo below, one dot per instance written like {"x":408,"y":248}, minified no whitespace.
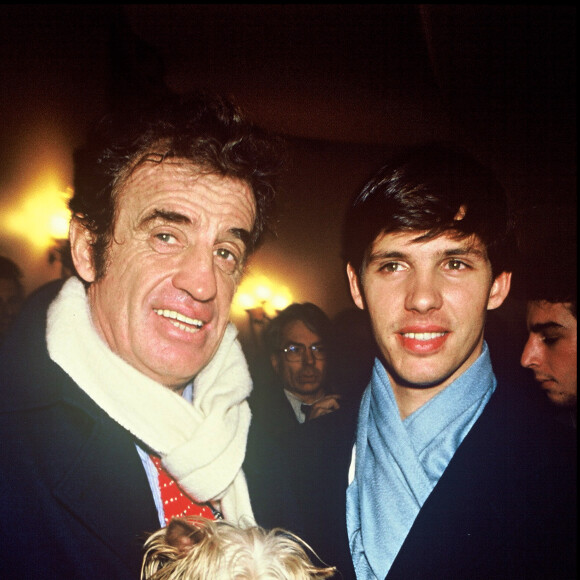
{"x":201,"y":444}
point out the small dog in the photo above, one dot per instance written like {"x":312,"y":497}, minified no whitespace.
{"x":194,"y":548}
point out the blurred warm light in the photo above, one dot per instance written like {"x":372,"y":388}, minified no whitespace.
{"x":259,"y":291}
{"x":42,"y":216}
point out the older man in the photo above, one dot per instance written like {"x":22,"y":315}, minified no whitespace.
{"x":124,"y":390}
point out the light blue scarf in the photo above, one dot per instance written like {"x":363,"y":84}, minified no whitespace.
{"x":398,"y":463}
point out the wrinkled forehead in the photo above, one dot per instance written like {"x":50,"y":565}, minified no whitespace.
{"x":184,"y":180}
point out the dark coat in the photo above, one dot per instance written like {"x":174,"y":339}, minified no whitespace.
{"x":75,"y":500}
{"x":74,"y":497}
{"x":505,"y":506}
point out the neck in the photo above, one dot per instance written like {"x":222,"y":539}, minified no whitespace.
{"x":409,"y":399}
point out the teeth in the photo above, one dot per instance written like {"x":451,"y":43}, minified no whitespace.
{"x":177,"y":319}
{"x":423,"y":335}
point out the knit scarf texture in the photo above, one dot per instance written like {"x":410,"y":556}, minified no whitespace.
{"x":399,"y":462}
{"x":201,"y":444}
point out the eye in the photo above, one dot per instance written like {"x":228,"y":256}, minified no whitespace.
{"x":391,"y":267}
{"x":166,"y":238}
{"x":550,"y":340}
{"x":166,"y":242}
{"x":228,"y":260}
{"x":456,"y":265}
{"x":225,"y":255}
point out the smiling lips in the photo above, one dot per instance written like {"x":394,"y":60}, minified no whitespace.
{"x":423,"y":342}
{"x":180,"y":320}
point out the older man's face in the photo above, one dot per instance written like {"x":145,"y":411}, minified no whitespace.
{"x":174,"y":264}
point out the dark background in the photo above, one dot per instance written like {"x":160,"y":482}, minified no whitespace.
{"x":346,"y":84}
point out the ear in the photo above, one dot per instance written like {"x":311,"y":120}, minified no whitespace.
{"x":499,"y":290}
{"x":355,"y":289}
{"x":81,"y":247}
{"x":182,"y":535}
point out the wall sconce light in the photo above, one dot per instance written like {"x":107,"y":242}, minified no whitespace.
{"x":262,"y":301}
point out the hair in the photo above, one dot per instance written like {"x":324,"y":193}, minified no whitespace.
{"x":205,"y":129}
{"x":546,"y":268}
{"x":10,"y":271}
{"x":313,"y":317}
{"x":432,"y":189}
{"x":196,"y":548}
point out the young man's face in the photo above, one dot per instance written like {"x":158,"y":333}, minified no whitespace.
{"x":550,"y":351}
{"x":172,"y":269}
{"x":427,"y":302}
{"x":301,"y":377}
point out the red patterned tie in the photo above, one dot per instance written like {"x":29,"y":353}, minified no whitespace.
{"x":175,"y":503}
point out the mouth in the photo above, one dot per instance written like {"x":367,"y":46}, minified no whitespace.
{"x":423,"y":336}
{"x":547,"y":383}
{"x":423,"y":342}
{"x":309,"y":378}
{"x":180,"y":321}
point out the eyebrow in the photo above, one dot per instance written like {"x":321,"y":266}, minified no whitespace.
{"x":179,"y":218}
{"x":450,"y":253}
{"x":542,"y":326}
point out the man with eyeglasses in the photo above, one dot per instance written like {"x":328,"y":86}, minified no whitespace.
{"x":297,"y":344}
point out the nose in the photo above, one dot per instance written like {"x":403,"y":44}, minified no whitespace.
{"x":195,"y":273}
{"x":423,"y":293}
{"x":308,"y":356}
{"x":531,"y":355}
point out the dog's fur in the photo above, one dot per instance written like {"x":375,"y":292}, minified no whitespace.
{"x":194,"y":548}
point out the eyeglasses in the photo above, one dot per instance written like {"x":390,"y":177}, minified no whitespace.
{"x":296,"y":352}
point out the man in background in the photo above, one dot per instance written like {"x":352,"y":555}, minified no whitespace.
{"x":548,"y":284}
{"x":297,"y":343}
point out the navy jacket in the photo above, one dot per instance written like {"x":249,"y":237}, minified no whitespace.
{"x":74,"y":498}
{"x":505,"y":506}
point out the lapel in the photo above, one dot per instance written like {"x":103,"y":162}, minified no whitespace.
{"x":88,"y":461}
{"x":472,"y":501}
{"x":105,"y":485}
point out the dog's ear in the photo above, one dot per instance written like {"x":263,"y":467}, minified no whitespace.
{"x":182,"y":535}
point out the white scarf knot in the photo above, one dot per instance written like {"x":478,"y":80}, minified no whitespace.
{"x":202,"y":444}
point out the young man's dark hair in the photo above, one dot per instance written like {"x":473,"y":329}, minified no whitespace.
{"x":431,"y":189}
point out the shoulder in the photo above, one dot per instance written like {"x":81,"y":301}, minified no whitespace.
{"x":518,"y":441}
{"x":28,"y":377}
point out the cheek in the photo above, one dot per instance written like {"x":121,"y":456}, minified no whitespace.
{"x":566,"y":357}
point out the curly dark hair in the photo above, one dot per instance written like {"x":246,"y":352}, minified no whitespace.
{"x":201,"y":127}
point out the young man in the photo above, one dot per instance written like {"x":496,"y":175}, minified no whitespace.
{"x":547,"y":281}
{"x":127,"y":381}
{"x":451,"y":475}
{"x":551,"y":351}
